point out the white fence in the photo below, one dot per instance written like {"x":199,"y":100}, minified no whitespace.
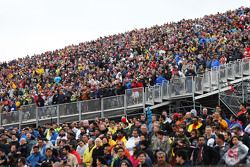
{"x":133,"y":99}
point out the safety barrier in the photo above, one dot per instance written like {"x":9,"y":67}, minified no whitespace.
{"x":214,"y":78}
{"x":238,"y":68}
{"x":135,"y":98}
{"x":199,"y":84}
{"x":165,"y":90}
{"x":223,"y":74}
{"x":206,"y":81}
{"x":230,"y":71}
{"x":246,"y":67}
{"x":149,"y":95}
{"x":157,"y":94}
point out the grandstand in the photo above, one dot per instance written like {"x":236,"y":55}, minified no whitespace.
{"x":131,"y":74}
{"x":140,"y":58}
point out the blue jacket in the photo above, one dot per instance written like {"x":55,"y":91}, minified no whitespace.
{"x":54,"y":137}
{"x":215,"y":63}
{"x":35,"y":160}
{"x":57,"y":79}
{"x":159,"y":80}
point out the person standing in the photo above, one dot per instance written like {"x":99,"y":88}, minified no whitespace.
{"x":121,"y":157}
{"x":182,"y":159}
{"x":237,"y":153}
{"x":97,"y":151}
{"x":70,"y":159}
{"x":203,"y":154}
{"x":161,"y":160}
{"x":36,"y":158}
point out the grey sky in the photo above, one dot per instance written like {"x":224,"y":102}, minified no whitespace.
{"x":34,"y":26}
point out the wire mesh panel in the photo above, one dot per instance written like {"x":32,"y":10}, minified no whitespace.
{"x":199,"y":84}
{"x":246,"y":66}
{"x":223,"y":74}
{"x":113,"y":113}
{"x":157,"y":94}
{"x":149,"y":95}
{"x":165,"y":90}
{"x":44,"y":121}
{"x":230,"y":71}
{"x":207,"y":81}
{"x":10,"y":118}
{"x":113,"y":102}
{"x":188,"y":85}
{"x":238,"y":68}
{"x":214,"y":76}
{"x":177,"y":87}
{"x":90,"y":109}
{"x":68,"y":112}
{"x":233,"y":102}
{"x":28,"y":113}
{"x":90,"y":105}
{"x":91,"y":116}
{"x":134,"y":97}
{"x":47,"y":112}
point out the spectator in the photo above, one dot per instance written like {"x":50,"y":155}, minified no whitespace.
{"x":3,"y":158}
{"x":236,"y":153}
{"x":13,"y":156}
{"x":81,"y":147}
{"x":36,"y":158}
{"x":221,"y":147}
{"x":22,"y":162}
{"x":100,"y":162}
{"x":23,"y":149}
{"x":70,"y":158}
{"x":161,"y":160}
{"x":182,"y":159}
{"x":142,"y":160}
{"x":87,"y":156}
{"x":97,"y":151}
{"x":121,"y":157}
{"x":49,"y":157}
{"x":133,"y":141}
{"x":203,"y":155}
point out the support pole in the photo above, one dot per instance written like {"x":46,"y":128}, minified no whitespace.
{"x":193,"y":92}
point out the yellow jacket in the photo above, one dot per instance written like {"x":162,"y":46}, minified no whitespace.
{"x":87,"y":156}
{"x":112,"y":130}
{"x":191,"y":127}
{"x":223,"y":124}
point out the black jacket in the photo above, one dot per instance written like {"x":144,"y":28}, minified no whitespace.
{"x":209,"y":156}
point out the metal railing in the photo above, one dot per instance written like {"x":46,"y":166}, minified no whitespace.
{"x":231,"y":101}
{"x":135,"y":98}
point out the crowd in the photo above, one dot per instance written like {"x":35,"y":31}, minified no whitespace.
{"x":141,"y":57}
{"x":195,"y":138}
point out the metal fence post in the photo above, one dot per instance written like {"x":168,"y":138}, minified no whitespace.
{"x":58,"y":114}
{"x":153,"y":94}
{"x":219,"y":94}
{"x":1,"y":119}
{"x":193,"y":91}
{"x":80,"y":111}
{"x":20,"y":118}
{"x":37,"y":118}
{"x":143,"y":100}
{"x":161,"y":93}
{"x":102,"y":108}
{"x":125,"y":105}
{"x":242,"y":82}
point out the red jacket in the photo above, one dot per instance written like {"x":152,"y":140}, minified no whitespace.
{"x":242,"y":111}
{"x":77,"y":156}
